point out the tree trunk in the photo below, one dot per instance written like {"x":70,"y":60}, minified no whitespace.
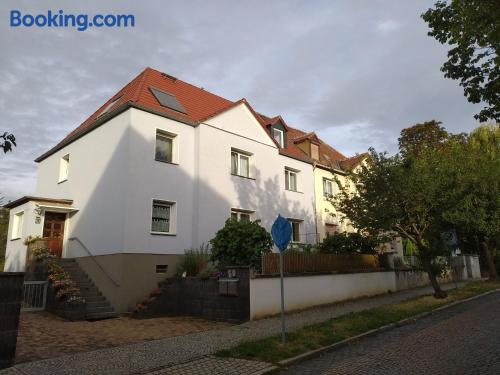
{"x":438,"y":292}
{"x":492,"y":270}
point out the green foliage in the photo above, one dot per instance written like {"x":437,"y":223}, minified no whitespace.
{"x":32,"y":239}
{"x":7,"y":140}
{"x":318,"y":335}
{"x":194,"y":261}
{"x":240,"y":243}
{"x":4,"y":227}
{"x":420,"y":137}
{"x":349,"y":243}
{"x":472,"y":29}
{"x":306,"y":248}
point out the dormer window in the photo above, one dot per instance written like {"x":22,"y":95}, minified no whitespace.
{"x":279,"y":137}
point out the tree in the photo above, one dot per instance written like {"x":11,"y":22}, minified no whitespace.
{"x":400,"y":196}
{"x":349,"y":243}
{"x":7,"y":140}
{"x":473,"y":197}
{"x":419,"y":137}
{"x":240,"y":243}
{"x":472,"y":29}
{"x":4,"y":226}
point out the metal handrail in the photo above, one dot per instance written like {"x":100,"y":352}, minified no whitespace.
{"x":92,"y":256}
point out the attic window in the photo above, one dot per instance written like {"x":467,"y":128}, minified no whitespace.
{"x":167,"y":100}
{"x":108,"y":107}
{"x":278,"y":136}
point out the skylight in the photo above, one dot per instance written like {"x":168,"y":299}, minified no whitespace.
{"x":167,"y":100}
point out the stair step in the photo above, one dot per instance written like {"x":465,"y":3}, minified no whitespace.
{"x":98,"y":316}
{"x":96,"y":304}
{"x":90,"y":293}
{"x":97,"y":307}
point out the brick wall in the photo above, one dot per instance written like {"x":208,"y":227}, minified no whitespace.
{"x":206,"y":298}
{"x":11,"y":292}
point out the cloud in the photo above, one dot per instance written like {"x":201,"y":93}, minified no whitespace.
{"x":387,"y":26}
{"x":354,"y":72}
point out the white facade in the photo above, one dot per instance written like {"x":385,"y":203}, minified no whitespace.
{"x":113,"y":178}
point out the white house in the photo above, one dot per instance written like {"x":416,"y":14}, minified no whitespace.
{"x":157,"y":170}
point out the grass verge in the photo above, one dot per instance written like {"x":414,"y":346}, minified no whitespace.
{"x":322,"y":334}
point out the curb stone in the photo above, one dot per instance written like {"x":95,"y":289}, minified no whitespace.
{"x":317,"y":352}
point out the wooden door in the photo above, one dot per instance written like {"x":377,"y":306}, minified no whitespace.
{"x":53,"y":231}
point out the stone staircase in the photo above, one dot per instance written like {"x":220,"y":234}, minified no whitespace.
{"x":97,"y":307}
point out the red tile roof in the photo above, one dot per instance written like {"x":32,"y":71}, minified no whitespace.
{"x":199,"y":105}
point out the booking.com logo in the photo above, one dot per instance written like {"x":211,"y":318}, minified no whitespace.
{"x":79,"y":21}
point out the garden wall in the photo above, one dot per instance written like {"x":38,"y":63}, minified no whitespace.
{"x":304,"y":291}
{"x":11,"y":292}
{"x":225,"y":299}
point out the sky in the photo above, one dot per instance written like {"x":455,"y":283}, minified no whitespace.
{"x":354,"y":71}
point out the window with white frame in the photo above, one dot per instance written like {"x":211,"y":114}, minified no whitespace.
{"x":327,"y":188}
{"x":279,"y":137}
{"x":163,"y":217}
{"x":291,"y":179}
{"x":17,"y":227}
{"x":64,"y":168}
{"x":241,"y":215}
{"x":165,"y":147}
{"x":240,"y":163}
{"x":296,"y":229}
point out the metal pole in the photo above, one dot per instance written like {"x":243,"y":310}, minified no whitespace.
{"x":283,"y":338}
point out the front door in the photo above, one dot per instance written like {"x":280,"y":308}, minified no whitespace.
{"x":53,"y":231}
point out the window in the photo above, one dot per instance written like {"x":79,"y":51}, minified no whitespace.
{"x":164,"y":150}
{"x":291,"y":179}
{"x":241,"y":215}
{"x":327,"y":188}
{"x":296,"y":224}
{"x":64,"y":168}
{"x":278,"y":136}
{"x":162,"y":217}
{"x":17,"y":227}
{"x":161,"y":268}
{"x":240,"y":163}
{"x":330,"y":229}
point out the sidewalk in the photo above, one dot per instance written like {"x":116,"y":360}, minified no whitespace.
{"x":159,"y":355}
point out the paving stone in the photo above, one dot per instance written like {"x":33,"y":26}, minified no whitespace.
{"x":463,"y":339}
{"x":214,"y":365}
{"x":147,"y":356}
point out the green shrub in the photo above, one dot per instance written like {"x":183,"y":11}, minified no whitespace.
{"x":194,"y":261}
{"x":240,"y":243}
{"x":349,"y":243}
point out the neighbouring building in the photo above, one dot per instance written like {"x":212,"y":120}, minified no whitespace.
{"x":158,"y":169}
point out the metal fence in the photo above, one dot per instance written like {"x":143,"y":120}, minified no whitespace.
{"x":34,"y":295}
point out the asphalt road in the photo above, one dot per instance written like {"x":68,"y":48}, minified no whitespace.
{"x":464,"y":339}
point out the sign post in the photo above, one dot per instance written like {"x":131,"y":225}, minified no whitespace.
{"x":282,"y":234}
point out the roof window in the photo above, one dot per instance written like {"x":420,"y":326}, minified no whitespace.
{"x":167,"y":100}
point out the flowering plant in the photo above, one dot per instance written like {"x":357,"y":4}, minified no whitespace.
{"x":75,"y":300}
{"x":42,"y":254}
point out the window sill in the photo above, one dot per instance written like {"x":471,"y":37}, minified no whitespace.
{"x":15,"y":239}
{"x":238,"y":175}
{"x":167,"y":162}
{"x":163,"y":234}
{"x":61,"y":181}
{"x":295,"y":191}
